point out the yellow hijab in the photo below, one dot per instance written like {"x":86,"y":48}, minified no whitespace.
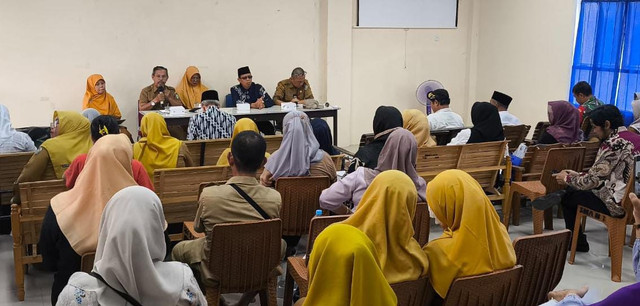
{"x":344,"y":270}
{"x":106,"y":171}
{"x":474,"y":241}
{"x":73,"y":139}
{"x":104,"y":103}
{"x":244,"y":124}
{"x":156,"y":149}
{"x":385,"y":214}
{"x":190,"y":95}
{"x":417,"y":122}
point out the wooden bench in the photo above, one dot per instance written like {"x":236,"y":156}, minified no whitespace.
{"x":207,"y":152}
{"x":11,"y":165}
{"x":26,"y":222}
{"x":443,"y":137}
{"x":540,"y":128}
{"x":515,"y":134}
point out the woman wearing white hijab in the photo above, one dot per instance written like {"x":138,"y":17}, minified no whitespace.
{"x":299,"y":153}
{"x":12,"y":141}
{"x":128,"y":266}
{"x":635,"y":125}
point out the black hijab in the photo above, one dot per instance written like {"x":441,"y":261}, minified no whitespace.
{"x":386,"y":119}
{"x":323,"y":135}
{"x":487,"y":125}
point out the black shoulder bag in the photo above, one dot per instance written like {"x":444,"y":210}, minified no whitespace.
{"x":251,"y":201}
{"x":125,"y":296}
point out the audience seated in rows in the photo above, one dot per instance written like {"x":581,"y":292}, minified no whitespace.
{"x":231,"y":202}
{"x":385,"y":120}
{"x":157,"y":149}
{"x":486,"y":126}
{"x":97,"y":97}
{"x":294,"y":89}
{"x":399,"y":153}
{"x":128,"y":267}
{"x":323,"y":136}
{"x":244,"y":124}
{"x":211,"y":123}
{"x":70,"y":225}
{"x":102,"y":126}
{"x":190,"y":88}
{"x":12,"y":141}
{"x":418,"y":124}
{"x":442,"y":117}
{"x":502,"y":102}
{"x":474,"y":241}
{"x":344,"y":270}
{"x":299,"y":153}
{"x":71,"y":136}
{"x":564,"y":124}
{"x":385,"y":215}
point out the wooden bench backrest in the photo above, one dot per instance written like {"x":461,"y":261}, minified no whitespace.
{"x":539,"y":157}
{"x":195,"y":149}
{"x":207,"y":152}
{"x":539,"y":130}
{"x":515,"y":135}
{"x":477,"y":156}
{"x":433,"y":160}
{"x":273,"y":142}
{"x":35,"y":200}
{"x":11,"y":165}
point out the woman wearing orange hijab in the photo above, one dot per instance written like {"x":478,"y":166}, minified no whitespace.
{"x":96,"y":96}
{"x":190,"y":88}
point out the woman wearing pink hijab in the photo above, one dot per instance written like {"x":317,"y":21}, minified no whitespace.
{"x":565,"y":124}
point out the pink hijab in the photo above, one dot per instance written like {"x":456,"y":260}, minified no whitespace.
{"x":565,"y":122}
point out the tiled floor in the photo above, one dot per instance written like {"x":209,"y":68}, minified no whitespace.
{"x":590,"y":269}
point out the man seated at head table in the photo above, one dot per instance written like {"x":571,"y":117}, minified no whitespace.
{"x":211,"y":123}
{"x":253,"y":93}
{"x":294,"y":89}
{"x":158,"y":95}
{"x":502,"y":102}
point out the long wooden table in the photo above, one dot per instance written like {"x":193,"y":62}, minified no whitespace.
{"x":265,"y":114}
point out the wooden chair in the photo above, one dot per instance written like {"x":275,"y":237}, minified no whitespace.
{"x":422,"y":223}
{"x":496,"y":288}
{"x":366,"y":139}
{"x":540,"y":128}
{"x":542,"y":257}
{"x":243,"y":257}
{"x":433,"y":160}
{"x":178,"y":190}
{"x":300,"y":200}
{"x":590,"y":153}
{"x":26,"y":222}
{"x":515,"y":134}
{"x":337,"y":161}
{"x":86,"y":262}
{"x":11,"y":165}
{"x":557,"y":160}
{"x":533,"y":162}
{"x":443,"y":137}
{"x":483,"y":161}
{"x":616,"y":227}
{"x":273,"y":142}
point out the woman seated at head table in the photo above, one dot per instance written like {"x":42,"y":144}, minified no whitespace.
{"x":97,"y":97}
{"x":385,"y":215}
{"x":102,"y":126}
{"x":474,"y":241}
{"x":128,"y":266}
{"x":244,"y":124}
{"x":157,"y":149}
{"x":71,"y":137}
{"x":190,"y":88}
{"x":299,"y":153}
{"x":12,"y":141}
{"x":487,"y":126}
{"x":344,"y":270}
{"x":70,"y":225}
{"x":323,"y":136}
{"x":564,"y":124}
{"x":399,"y":153}
{"x":385,"y":120}
{"x":417,"y":123}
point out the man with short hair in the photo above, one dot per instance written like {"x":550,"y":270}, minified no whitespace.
{"x":583,"y":94}
{"x":158,"y":95}
{"x":211,"y":123}
{"x":442,"y":117}
{"x":253,"y":93}
{"x":294,"y":89}
{"x":225,"y":204}
{"x":502,"y":101}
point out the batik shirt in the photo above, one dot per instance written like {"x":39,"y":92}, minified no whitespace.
{"x":255,"y":91}
{"x":211,"y":124}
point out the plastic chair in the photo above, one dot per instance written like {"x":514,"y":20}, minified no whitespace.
{"x":300,"y":200}
{"x":413,"y":293}
{"x":497,"y":288}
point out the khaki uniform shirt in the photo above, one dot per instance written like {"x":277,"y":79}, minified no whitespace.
{"x":285,"y":91}
{"x":150,"y":92}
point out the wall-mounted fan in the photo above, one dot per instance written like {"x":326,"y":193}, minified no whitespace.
{"x":424,"y":89}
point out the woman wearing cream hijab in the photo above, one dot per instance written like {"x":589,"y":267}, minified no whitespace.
{"x":418,"y":124}
{"x":97,"y":97}
{"x":244,"y":124}
{"x":474,"y":241}
{"x":190,"y":88}
{"x":385,"y":215}
{"x":70,"y":226}
{"x":344,"y":270}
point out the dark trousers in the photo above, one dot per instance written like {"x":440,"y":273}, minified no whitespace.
{"x":570,"y":203}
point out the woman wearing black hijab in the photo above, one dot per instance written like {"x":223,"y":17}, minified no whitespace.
{"x":487,"y":125}
{"x":323,"y":135}
{"x":386,"y":119}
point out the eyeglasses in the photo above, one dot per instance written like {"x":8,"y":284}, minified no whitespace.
{"x":247,"y":77}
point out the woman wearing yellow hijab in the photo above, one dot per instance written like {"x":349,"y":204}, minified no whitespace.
{"x":385,"y":215}
{"x":190,"y":87}
{"x":344,"y":270}
{"x":157,"y":149}
{"x":418,"y":124}
{"x":474,"y":241}
{"x":97,"y":97}
{"x":244,"y":124}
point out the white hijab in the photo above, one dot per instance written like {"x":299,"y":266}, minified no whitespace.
{"x":131,"y":248}
{"x":6,"y":131}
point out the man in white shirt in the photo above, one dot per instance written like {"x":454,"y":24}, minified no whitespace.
{"x":502,"y":101}
{"x":443,"y":117}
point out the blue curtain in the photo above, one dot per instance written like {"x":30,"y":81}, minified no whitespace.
{"x":607,"y":53}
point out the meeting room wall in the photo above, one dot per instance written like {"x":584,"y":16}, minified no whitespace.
{"x":49,"y":48}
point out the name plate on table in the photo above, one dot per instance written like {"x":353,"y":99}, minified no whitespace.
{"x":243,"y":108}
{"x":176,"y":110}
{"x":288,"y":106}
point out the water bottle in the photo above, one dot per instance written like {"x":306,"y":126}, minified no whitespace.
{"x":518,"y":155}
{"x":318,"y":212}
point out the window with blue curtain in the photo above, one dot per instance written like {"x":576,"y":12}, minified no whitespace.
{"x":607,"y":51}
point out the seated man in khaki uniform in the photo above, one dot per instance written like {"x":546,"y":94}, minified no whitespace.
{"x":158,"y":95}
{"x":223,"y":204}
{"x":294,"y":89}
